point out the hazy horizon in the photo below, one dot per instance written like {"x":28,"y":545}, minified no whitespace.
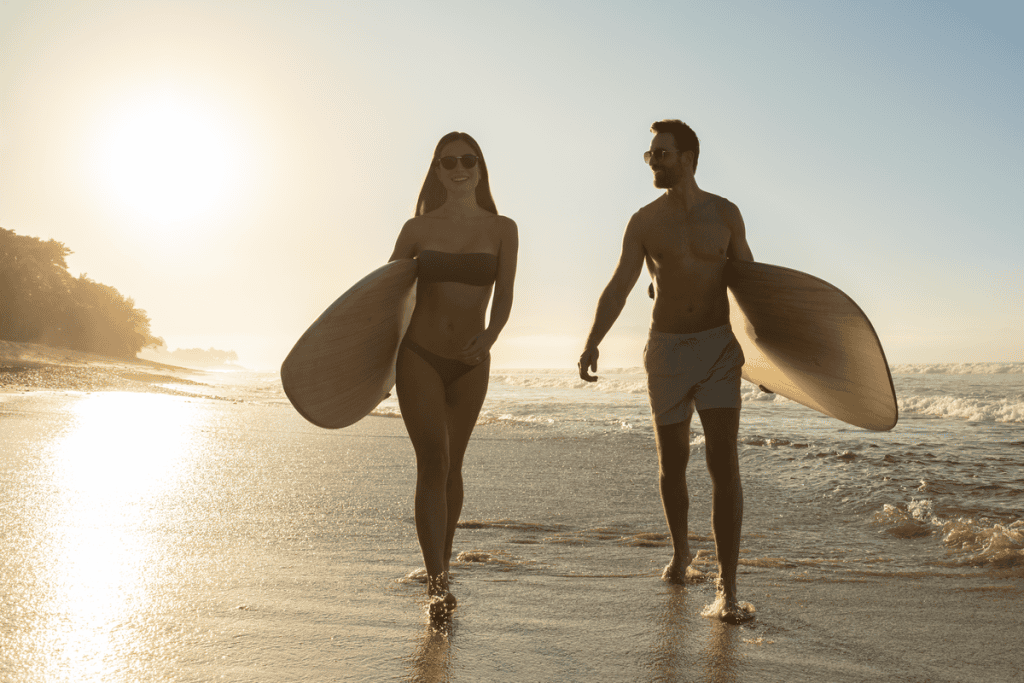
{"x":233,"y":168}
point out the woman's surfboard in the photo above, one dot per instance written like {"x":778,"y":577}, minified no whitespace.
{"x":806,"y":340}
{"x":344,"y":364}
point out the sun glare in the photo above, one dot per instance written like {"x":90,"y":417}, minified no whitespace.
{"x":168,"y":158}
{"x":126,"y":461}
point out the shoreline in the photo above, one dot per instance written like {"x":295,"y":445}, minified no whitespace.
{"x":28,"y":367}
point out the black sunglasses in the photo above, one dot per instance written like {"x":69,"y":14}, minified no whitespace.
{"x":655,"y":155}
{"x":468,"y":161}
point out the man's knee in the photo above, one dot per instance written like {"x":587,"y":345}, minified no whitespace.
{"x":723,"y":466}
{"x":673,"y":449}
{"x":721,"y":427}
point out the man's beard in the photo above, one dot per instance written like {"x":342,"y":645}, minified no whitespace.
{"x":665,"y":178}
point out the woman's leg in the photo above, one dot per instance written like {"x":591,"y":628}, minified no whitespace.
{"x":465,"y":397}
{"x":421,"y":399}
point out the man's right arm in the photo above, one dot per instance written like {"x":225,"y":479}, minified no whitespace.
{"x":613,"y":299}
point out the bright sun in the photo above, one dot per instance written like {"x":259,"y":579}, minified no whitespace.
{"x":168,"y":158}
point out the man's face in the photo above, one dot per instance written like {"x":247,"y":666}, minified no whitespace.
{"x":666,"y":161}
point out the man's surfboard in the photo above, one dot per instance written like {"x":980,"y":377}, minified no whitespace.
{"x":344,"y":364}
{"x":808,"y":341}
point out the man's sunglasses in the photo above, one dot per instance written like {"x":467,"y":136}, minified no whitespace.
{"x":468,"y":161}
{"x":655,"y":155}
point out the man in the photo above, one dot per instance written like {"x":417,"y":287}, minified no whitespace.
{"x":686,"y":237}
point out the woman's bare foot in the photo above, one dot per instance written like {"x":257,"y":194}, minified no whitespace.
{"x":441,"y":607}
{"x":442,"y":602}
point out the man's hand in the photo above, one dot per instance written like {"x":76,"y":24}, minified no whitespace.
{"x":588,"y":361}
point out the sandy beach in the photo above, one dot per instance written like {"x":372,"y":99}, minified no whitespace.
{"x":26,"y":367}
{"x":151,"y":536}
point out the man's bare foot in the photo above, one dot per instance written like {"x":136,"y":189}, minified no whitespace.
{"x":728,"y":609}
{"x":680,"y":573}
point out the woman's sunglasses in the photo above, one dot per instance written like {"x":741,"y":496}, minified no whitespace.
{"x":468,"y":161}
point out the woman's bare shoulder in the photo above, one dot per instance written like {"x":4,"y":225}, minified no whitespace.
{"x":414,"y":227}
{"x":507,"y":229}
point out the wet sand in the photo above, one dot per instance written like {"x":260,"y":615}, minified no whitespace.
{"x":280,"y":555}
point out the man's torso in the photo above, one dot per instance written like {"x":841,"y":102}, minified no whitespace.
{"x":686,"y":253}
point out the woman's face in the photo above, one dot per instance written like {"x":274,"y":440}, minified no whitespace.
{"x":459,"y":180}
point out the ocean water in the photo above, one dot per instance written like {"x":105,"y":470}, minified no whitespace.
{"x":218,"y":536}
{"x":952,"y":471}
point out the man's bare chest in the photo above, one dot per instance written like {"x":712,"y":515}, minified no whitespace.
{"x":681,"y":237}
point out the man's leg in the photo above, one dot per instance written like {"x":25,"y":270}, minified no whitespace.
{"x":721,"y":428}
{"x":673,"y":443}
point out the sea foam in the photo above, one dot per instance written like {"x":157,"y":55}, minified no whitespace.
{"x":969,"y":541}
{"x":958,"y":369}
{"x":970,"y":409}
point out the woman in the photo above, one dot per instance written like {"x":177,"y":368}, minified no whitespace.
{"x":464,"y":250}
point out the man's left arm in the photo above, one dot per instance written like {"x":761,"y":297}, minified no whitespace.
{"x":738,"y":250}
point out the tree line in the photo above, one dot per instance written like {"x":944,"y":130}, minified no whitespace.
{"x":41,"y":302}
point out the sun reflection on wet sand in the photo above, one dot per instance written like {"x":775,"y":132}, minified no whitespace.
{"x":98,"y":573}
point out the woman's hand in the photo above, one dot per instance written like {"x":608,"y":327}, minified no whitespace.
{"x":477,"y":349}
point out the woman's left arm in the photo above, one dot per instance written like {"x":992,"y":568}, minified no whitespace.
{"x":504,"y":285}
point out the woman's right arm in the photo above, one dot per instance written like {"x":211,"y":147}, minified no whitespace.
{"x":405,"y":246}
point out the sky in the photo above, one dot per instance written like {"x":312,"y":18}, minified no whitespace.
{"x":234,"y":166}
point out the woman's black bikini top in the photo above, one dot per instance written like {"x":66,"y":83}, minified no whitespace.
{"x":479,"y":269}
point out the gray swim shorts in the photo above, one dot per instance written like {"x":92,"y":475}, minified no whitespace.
{"x":688,"y":371}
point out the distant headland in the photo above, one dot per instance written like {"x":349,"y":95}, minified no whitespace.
{"x":192,"y":358}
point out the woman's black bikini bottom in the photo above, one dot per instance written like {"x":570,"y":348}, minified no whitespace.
{"x":448,"y":369}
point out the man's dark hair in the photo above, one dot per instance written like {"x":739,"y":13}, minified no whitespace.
{"x":686,"y":139}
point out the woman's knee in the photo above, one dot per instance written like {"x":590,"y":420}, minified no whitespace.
{"x":454,"y":482}
{"x":433,"y":474}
